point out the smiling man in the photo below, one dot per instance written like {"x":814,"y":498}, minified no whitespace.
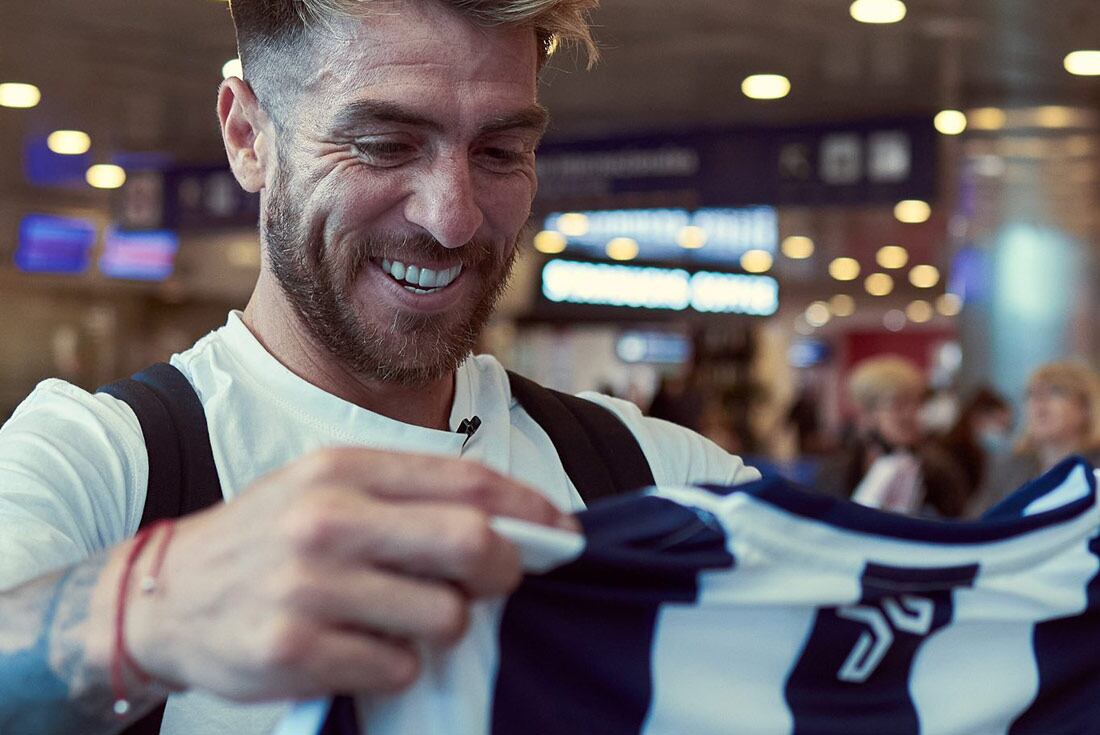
{"x":393,"y":146}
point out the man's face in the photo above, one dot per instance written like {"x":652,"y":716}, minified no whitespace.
{"x":406,"y":175}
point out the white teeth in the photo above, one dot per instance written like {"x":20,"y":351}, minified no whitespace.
{"x":420,"y":279}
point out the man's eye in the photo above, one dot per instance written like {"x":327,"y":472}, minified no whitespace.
{"x":385,"y":152}
{"x":501,"y":159}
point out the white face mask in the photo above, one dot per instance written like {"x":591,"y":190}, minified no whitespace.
{"x":994,"y":441}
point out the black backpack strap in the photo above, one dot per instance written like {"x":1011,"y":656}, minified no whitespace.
{"x":182,"y":476}
{"x":597,"y":450}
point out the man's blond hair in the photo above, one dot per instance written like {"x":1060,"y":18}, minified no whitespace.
{"x":880,"y":379}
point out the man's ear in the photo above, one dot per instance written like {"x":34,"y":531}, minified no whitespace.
{"x":247,"y":132}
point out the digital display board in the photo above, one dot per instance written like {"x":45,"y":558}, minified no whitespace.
{"x":139,"y":256}
{"x":51,"y":244}
{"x":713,"y":235}
{"x":658,"y":288}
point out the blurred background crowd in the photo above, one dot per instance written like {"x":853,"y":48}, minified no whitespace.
{"x":855,"y":242}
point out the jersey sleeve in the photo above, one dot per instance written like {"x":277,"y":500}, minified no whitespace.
{"x":677,"y":456}
{"x":73,"y":475}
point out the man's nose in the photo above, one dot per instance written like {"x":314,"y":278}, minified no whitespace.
{"x":444,"y":204}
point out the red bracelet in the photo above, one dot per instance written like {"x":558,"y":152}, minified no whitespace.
{"x":120,"y":655}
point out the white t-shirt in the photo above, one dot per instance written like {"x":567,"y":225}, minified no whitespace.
{"x":73,"y":466}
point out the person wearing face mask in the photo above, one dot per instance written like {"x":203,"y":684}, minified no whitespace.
{"x":1062,"y":418}
{"x":981,"y":434}
{"x":889,"y":464}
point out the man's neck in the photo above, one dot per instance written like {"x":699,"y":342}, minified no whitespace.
{"x":273,"y":322}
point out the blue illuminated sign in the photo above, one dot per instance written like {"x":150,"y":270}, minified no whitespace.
{"x":49,"y":244}
{"x":653,"y":348}
{"x":717,"y":235}
{"x":140,"y":256}
{"x":661,"y":289}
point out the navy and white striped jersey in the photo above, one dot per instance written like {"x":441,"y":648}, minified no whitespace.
{"x":767,"y":609}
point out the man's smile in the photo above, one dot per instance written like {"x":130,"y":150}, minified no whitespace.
{"x":419,"y":279}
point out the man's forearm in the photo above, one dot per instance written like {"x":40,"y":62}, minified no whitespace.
{"x":55,"y":647}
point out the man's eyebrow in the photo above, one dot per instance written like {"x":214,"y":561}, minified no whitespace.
{"x":535,"y":118}
{"x":356,"y":113}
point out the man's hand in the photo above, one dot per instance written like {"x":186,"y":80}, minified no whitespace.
{"x":324,"y":576}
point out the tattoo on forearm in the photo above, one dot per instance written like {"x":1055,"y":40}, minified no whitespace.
{"x":46,"y":682}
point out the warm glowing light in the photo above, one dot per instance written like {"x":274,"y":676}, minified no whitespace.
{"x":106,"y":176}
{"x":894,"y":320}
{"x":766,"y":87}
{"x":692,"y":237}
{"x":949,"y":304}
{"x":797,"y":247}
{"x":232,"y":68}
{"x":844,"y":269}
{"x":912,"y":211}
{"x":987,"y":118}
{"x":950,"y":122}
{"x":842,"y":305}
{"x":818,"y":314}
{"x":69,"y":142}
{"x":757,"y":261}
{"x":550,"y":242}
{"x":878,"y":11}
{"x":622,"y":248}
{"x":924,"y":276}
{"x":892,"y":256}
{"x":919,"y":311}
{"x":18,"y":95}
{"x":1055,"y":116}
{"x":573,"y":225}
{"x":1083,"y":63}
{"x":879,"y":284}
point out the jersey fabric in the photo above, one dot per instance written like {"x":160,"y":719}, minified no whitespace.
{"x":74,"y":468}
{"x":767,"y":609}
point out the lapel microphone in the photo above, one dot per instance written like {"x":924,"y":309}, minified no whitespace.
{"x":469,"y":427}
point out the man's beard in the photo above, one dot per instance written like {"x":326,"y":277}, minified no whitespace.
{"x":318,"y":281}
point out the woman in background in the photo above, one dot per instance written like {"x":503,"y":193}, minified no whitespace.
{"x":1062,"y":418}
{"x":888,"y":463}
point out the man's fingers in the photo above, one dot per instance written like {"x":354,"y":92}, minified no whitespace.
{"x":427,"y":478}
{"x":383,"y":602}
{"x":441,"y":541}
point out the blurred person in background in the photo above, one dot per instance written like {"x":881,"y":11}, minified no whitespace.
{"x":887,"y":463}
{"x":1061,"y":418}
{"x":981,"y":434}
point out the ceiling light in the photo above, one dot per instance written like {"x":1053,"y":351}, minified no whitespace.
{"x":757,"y":261}
{"x":106,"y":176}
{"x":878,"y":11}
{"x":949,"y":304}
{"x":573,"y":225}
{"x":844,"y":269}
{"x":550,"y":242}
{"x":622,"y":248}
{"x":797,"y":247}
{"x":818,"y":314}
{"x":892,"y":256}
{"x":842,"y":305}
{"x":950,"y":122}
{"x":766,"y":87}
{"x":69,"y":142}
{"x":18,"y":95}
{"x":1055,"y":116}
{"x":692,"y":237}
{"x":1083,"y":63}
{"x":987,"y":118}
{"x":232,"y":68}
{"x":894,"y":320}
{"x":879,"y":284}
{"x":912,"y":211}
{"x":924,"y":276}
{"x":919,"y":311}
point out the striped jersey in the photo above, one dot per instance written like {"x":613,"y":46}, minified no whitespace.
{"x":764,"y":608}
